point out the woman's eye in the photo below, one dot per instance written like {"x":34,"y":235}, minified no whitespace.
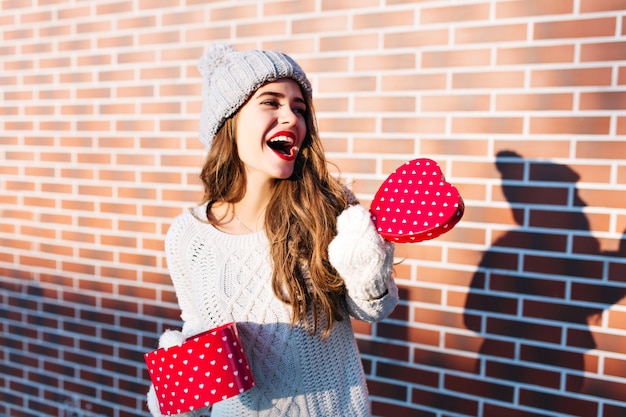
{"x":276,"y":104}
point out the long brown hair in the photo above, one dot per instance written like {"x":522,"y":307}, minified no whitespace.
{"x":300,"y":221}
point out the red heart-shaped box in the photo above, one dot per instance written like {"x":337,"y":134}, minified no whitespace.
{"x":207,"y":368}
{"x":415,"y":203}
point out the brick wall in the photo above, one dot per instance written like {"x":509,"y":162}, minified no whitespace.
{"x":517,"y":312}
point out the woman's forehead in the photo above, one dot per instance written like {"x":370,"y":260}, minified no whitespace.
{"x":282,"y":86}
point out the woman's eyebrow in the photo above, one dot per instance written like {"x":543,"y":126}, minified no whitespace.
{"x":279,"y":95}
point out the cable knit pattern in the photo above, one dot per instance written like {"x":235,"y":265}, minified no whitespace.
{"x":220,"y":278}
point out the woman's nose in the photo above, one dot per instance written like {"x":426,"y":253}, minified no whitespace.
{"x":288,"y":116}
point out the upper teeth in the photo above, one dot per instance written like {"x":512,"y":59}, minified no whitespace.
{"x":280,"y":139}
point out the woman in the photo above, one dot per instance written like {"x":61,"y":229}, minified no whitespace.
{"x":278,"y":245}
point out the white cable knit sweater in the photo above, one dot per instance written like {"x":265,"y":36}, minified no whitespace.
{"x":220,"y":277}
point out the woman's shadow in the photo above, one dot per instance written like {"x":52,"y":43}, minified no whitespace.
{"x":537,"y":288}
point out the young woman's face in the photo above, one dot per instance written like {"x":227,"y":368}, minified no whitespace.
{"x":270,"y":129}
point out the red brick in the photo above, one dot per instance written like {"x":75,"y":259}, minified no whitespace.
{"x":348,"y":42}
{"x":621,"y":125}
{"x":438,"y":317}
{"x":601,"y":149}
{"x":535,"y":102}
{"x":551,"y":54}
{"x":347,"y":4}
{"x":571,"y":77}
{"x":422,"y":294}
{"x":515,"y":372}
{"x":18,"y":34}
{"x":500,"y":124}
{"x":613,"y":410}
{"x":402,"y":146}
{"x":413,"y":125}
{"x":137,"y":259}
{"x":614,"y":367}
{"x":136,"y":57}
{"x":120,"y":241}
{"x":456,"y":58}
{"x":318,"y":24}
{"x":413,"y":82}
{"x":160,"y":73}
{"x":444,"y":401}
{"x":490,"y":34}
{"x":416,"y":38}
{"x":388,"y":409}
{"x":472,"y":386}
{"x":384,"y":62}
{"x":406,"y":373}
{"x":562,"y":266}
{"x":454,"y":13}
{"x":18,"y":126}
{"x":43,"y":16}
{"x":606,"y":51}
{"x":447,"y":103}
{"x":352,"y":124}
{"x":570,"y":125}
{"x":136,"y":226}
{"x":606,"y":198}
{"x":44,"y":407}
{"x":564,"y":405}
{"x":383,"y":19}
{"x":606,"y":100}
{"x":78,"y":205}
{"x":463,"y":256}
{"x":591,"y":6}
{"x":341,"y":84}
{"x":157,"y":38}
{"x":578,"y":28}
{"x":518,"y":8}
{"x":606,"y":341}
{"x":465,"y":343}
{"x":135,"y":91}
{"x":412,"y":334}
{"x":77,"y":109}
{"x":387,"y":390}
{"x":276,"y":28}
{"x":136,"y":22}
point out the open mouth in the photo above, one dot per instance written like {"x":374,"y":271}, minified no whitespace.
{"x":283,"y":146}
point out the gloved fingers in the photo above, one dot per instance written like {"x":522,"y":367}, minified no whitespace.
{"x":171,"y":338}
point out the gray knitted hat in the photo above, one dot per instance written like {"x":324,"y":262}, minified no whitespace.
{"x":229,"y":77}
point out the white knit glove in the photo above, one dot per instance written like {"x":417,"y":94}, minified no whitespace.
{"x":360,"y":255}
{"x":168,"y":339}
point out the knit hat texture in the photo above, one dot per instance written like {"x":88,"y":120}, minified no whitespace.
{"x":229,"y":77}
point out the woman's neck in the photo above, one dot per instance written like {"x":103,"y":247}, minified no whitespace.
{"x":245,"y":216}
{"x":250,"y":212}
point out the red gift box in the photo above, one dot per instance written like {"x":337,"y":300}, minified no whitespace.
{"x":415,"y":203}
{"x":207,"y":368}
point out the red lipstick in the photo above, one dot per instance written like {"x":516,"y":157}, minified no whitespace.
{"x":283,"y":144}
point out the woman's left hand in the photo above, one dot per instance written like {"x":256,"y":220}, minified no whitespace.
{"x":360,"y":255}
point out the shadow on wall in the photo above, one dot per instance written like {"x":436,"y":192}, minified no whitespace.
{"x":535,"y":292}
{"x":69,"y":352}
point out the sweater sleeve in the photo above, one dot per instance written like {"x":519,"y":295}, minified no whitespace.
{"x":376,"y":309}
{"x":177,"y":243}
{"x":365,"y":262}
